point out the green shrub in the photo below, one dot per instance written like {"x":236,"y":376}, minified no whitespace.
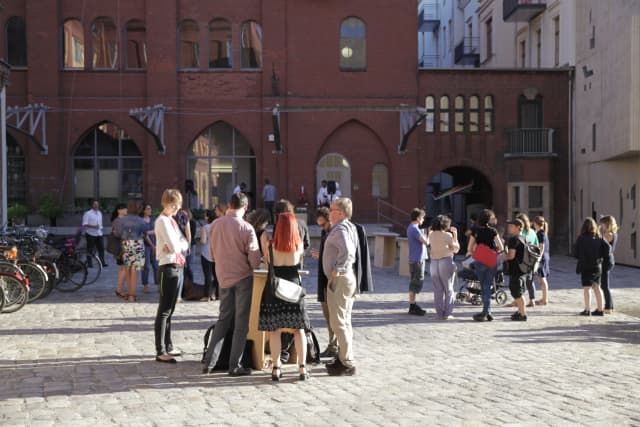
{"x":18,"y":212}
{"x":49,"y":207}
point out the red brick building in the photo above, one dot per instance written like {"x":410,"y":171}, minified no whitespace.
{"x":339,"y":72}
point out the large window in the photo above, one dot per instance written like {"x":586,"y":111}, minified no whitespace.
{"x":353,"y":45}
{"x":219,"y":159}
{"x":380,"y":181}
{"x":188,"y":45}
{"x":104,"y":37}
{"x":532,"y":198}
{"x":220,"y":44}
{"x":251,"y":45}
{"x":16,"y":173}
{"x":444,"y":113}
{"x":459,"y":116}
{"x":16,"y":39}
{"x":73,"y":44}
{"x":136,"y":45}
{"x":107,"y":165}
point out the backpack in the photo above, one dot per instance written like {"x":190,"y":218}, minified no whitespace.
{"x":331,"y":187}
{"x":531,"y":257}
{"x":313,"y":347}
{"x":225,"y":352}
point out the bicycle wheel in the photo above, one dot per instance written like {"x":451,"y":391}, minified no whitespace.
{"x":9,"y":267}
{"x":37,"y":279}
{"x":92,"y":263}
{"x":1,"y":299}
{"x":73,"y":274}
{"x":16,"y":293}
{"x":53,"y":274}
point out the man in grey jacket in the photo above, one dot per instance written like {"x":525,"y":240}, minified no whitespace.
{"x":338,"y":260}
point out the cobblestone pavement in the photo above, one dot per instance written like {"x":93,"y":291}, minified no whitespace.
{"x":87,"y":359}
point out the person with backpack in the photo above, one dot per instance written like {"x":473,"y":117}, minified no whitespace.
{"x":594,"y":258}
{"x":531,"y":238}
{"x":517,"y":278}
{"x":542,"y":229}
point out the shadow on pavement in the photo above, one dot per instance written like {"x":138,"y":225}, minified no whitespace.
{"x":612,"y":332}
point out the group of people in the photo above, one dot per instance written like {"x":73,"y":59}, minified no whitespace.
{"x":235,"y":247}
{"x":594,"y":249}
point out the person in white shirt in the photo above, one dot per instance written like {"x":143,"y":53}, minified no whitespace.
{"x":92,"y":225}
{"x":323,"y":196}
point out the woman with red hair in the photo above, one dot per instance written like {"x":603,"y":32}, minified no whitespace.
{"x":276,"y":314}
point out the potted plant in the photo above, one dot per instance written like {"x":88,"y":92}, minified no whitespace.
{"x":49,"y":207}
{"x":17,"y":213}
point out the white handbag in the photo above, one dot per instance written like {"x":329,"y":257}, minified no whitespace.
{"x":284,"y":289}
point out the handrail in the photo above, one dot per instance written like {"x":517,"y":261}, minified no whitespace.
{"x":382,"y":203}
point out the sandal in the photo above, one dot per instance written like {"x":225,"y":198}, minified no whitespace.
{"x":276,"y":374}
{"x":132,"y":298}
{"x":304,"y":375}
{"x":121,"y":295}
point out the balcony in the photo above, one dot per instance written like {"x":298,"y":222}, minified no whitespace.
{"x":463,"y":3}
{"x":429,"y":61}
{"x":522,"y":10}
{"x":467,"y":52}
{"x":429,"y":18}
{"x":529,"y":143}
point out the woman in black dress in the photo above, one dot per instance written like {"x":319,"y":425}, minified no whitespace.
{"x":276,"y":314}
{"x":593,"y":258}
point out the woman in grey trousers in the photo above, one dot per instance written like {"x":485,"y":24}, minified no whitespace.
{"x":443,"y":242}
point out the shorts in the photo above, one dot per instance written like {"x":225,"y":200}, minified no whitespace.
{"x":416,"y":270}
{"x":133,"y":254}
{"x":517,"y":285}
{"x":590,"y":277}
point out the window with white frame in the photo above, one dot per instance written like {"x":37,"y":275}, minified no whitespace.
{"x":532,"y":198}
{"x":430,"y":104}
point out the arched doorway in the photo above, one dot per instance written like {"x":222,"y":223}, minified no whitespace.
{"x":458,"y":191}
{"x":16,"y":172}
{"x":219,"y":159}
{"x":107,"y":165}
{"x":334,"y":167}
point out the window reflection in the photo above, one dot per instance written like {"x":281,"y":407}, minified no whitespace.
{"x":189,"y":47}
{"x":251,"y":45}
{"x":220,"y":44}
{"x":73,"y":49}
{"x":105,"y":44}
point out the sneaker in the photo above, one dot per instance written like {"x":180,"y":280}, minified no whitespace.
{"x":597,"y":313}
{"x":480,"y":317}
{"x":329,"y":353}
{"x":449,"y":317}
{"x":585,"y":313}
{"x":341,"y":370}
{"x":334,"y":364}
{"x":519,"y":317}
{"x":416,"y":310}
{"x":240,"y":372}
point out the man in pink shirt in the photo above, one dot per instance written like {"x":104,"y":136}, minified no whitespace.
{"x":235,"y":252}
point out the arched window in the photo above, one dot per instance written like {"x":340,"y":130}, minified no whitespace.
{"x":444,"y":113}
{"x":380,"y":181}
{"x":73,"y":44}
{"x":219,"y":159}
{"x":488,"y":113}
{"x":430,"y":105}
{"x":251,"y":45}
{"x":188,"y":45}
{"x":220,"y":44}
{"x":335,"y":167}
{"x":136,"y":45}
{"x":107,"y":165}
{"x":353,"y":45}
{"x":16,"y":172}
{"x":16,"y":39}
{"x":474,"y":113}
{"x":104,"y":37}
{"x":459,"y":117}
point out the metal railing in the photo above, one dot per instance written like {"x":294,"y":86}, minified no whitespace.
{"x":468,"y":46}
{"x":529,"y":142}
{"x":390,"y":213}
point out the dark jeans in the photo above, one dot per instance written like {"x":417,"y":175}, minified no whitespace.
{"x":269,"y":206}
{"x":96,"y":242}
{"x":171,"y":277}
{"x":606,"y":291}
{"x":485,"y":276}
{"x":188,"y":267}
{"x":235,"y":305}
{"x":531,"y":289}
{"x":150,"y":263}
{"x":210,"y":279}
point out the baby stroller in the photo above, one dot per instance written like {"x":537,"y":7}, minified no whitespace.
{"x":471,"y":292}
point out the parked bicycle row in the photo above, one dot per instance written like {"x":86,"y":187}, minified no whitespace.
{"x":33,"y":263}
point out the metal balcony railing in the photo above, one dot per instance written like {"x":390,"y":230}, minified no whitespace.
{"x":467,"y":51}
{"x":429,"y":17}
{"x":463,"y":3}
{"x":522,"y":10}
{"x":529,"y":142}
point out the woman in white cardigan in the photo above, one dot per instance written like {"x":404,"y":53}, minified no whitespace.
{"x":170,"y":244}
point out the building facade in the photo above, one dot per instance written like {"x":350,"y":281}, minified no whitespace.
{"x":607,"y":118}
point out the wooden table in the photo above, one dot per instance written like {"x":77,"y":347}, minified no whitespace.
{"x":403,"y":263}
{"x":385,"y":250}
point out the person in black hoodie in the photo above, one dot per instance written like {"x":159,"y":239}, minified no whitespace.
{"x":594,"y":257}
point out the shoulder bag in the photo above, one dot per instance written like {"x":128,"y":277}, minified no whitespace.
{"x":114,"y":245}
{"x":283,"y":289}
{"x":485,"y":255}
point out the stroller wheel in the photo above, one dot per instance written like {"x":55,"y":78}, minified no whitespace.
{"x":476,"y":300}
{"x":501,"y":297}
{"x":461,"y":297}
